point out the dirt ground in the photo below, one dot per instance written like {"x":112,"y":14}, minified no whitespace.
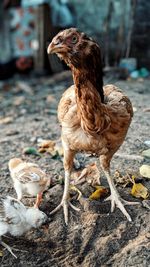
{"x":94,"y":237}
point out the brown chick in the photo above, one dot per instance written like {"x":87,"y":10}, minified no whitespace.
{"x":28,"y":178}
{"x":94,"y":118}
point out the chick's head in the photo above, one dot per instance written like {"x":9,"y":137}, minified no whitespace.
{"x":35,"y":217}
{"x":13,"y":163}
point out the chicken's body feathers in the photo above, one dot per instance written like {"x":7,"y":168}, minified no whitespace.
{"x":117,"y":108}
{"x":15,"y":219}
{"x":28,"y":178}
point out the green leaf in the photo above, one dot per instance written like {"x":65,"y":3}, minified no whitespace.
{"x":31,"y":151}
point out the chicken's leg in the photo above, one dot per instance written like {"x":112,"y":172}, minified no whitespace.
{"x":68,"y":163}
{"x":38,"y":200}
{"x":7,"y":247}
{"x":115,"y":197}
{"x":18,"y":190}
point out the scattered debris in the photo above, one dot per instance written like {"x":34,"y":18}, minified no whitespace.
{"x":134,"y":109}
{"x":12,"y":132}
{"x":100,"y":192}
{"x":53,"y":147}
{"x":61,"y":179}
{"x":145,"y":171}
{"x":146,"y":204}
{"x":89,"y":174}
{"x":6,"y":120}
{"x":59,"y":149}
{"x":139,"y":190}
{"x":146,"y":153}
{"x":32,"y":151}
{"x":50,"y":98}
{"x":46,"y":146}
{"x":146,"y":110}
{"x":18,"y":100}
{"x":24,"y":87}
{"x":147,"y":143}
{"x":76,"y":163}
{"x":79,"y":161}
{"x":74,"y":188}
{"x":1,"y":253}
{"x":123,"y":180}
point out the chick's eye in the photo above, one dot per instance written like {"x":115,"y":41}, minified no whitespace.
{"x":74,"y":39}
{"x":38,"y":221}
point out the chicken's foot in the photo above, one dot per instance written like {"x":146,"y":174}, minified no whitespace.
{"x":65,"y":203}
{"x":116,"y":200}
{"x":8,"y":248}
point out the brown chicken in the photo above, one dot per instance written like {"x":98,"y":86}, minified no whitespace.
{"x":94,"y":118}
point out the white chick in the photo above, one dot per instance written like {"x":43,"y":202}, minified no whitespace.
{"x":17,"y":219}
{"x":28,"y":178}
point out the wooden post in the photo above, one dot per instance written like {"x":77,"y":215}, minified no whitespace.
{"x":42,"y":28}
{"x":45,"y":31}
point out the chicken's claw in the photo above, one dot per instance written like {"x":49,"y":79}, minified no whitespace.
{"x":8,"y":248}
{"x":116,"y":200}
{"x":65,"y":203}
{"x":74,"y":188}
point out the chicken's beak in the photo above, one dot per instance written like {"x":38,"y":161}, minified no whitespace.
{"x":51,"y":48}
{"x":54,"y":48}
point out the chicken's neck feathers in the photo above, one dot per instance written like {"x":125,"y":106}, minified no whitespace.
{"x":93,"y":75}
{"x":92,"y":112}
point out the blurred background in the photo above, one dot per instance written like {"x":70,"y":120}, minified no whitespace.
{"x":31,"y":85}
{"x":121,"y":27}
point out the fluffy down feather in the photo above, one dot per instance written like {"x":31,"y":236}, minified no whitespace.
{"x":28,"y":178}
{"x":16,"y":219}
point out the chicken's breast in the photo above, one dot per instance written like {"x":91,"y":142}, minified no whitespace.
{"x":118,"y":109}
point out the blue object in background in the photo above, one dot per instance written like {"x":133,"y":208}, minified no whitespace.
{"x":129,"y":64}
{"x":141,"y":73}
{"x":27,"y":3}
{"x":144,"y":73}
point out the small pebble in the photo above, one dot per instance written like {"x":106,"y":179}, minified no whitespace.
{"x":146,"y":153}
{"x":147,"y":143}
{"x":145,"y":171}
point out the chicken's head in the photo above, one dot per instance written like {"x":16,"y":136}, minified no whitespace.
{"x":76,"y":49}
{"x":36,"y":217}
{"x":13,"y":163}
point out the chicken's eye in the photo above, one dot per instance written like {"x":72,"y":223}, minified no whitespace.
{"x":74,"y":39}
